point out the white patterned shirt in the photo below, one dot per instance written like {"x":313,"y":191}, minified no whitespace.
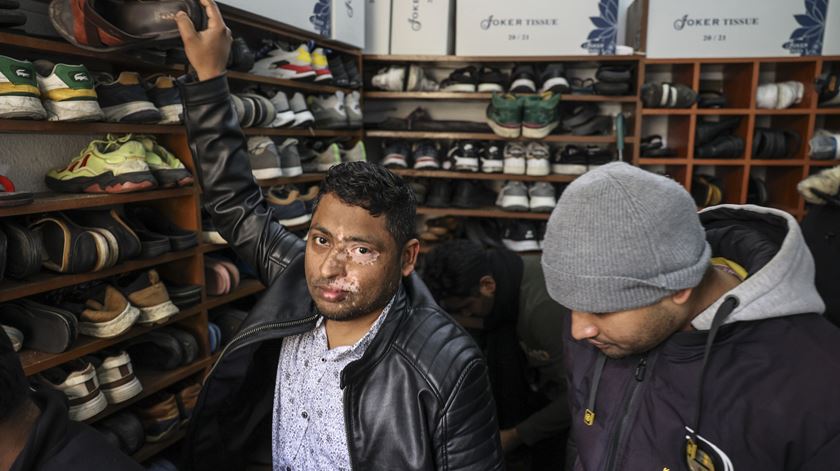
{"x":308,"y":432}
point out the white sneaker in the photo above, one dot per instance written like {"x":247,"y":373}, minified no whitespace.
{"x":67,"y":92}
{"x":790,"y":93}
{"x":77,"y":380}
{"x":284,"y":115}
{"x":356,"y":153}
{"x":418,"y":82}
{"x":328,"y":158}
{"x":537,"y":159}
{"x":116,"y":376}
{"x":328,"y":110}
{"x":542,"y":197}
{"x":264,"y":159}
{"x":303,"y":117}
{"x":766,"y":96}
{"x":514,"y":158}
{"x":355,"y":118}
{"x":390,"y":78}
{"x":19,"y":94}
{"x":286,"y":63}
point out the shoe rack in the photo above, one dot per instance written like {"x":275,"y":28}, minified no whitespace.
{"x":181,"y":204}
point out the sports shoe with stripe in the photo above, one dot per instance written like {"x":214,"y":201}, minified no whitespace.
{"x":19,"y":93}
{"x":286,"y":63}
{"x":166,"y":97}
{"x":67,"y":92}
{"x":167,"y":169}
{"x":124,"y":100}
{"x":321,"y":66}
{"x":111,"y":165}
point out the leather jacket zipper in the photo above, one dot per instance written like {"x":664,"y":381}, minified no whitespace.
{"x":256,"y":330}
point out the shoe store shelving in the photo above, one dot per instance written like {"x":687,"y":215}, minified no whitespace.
{"x":58,"y":127}
{"x":491,"y":212}
{"x":303,"y":132}
{"x":484,"y":96}
{"x":407,"y":58}
{"x":309,"y":87}
{"x":481,"y":136}
{"x":45,"y":202}
{"x":483,"y":176}
{"x":246,"y":288}
{"x":150,"y":450}
{"x":304,"y":178}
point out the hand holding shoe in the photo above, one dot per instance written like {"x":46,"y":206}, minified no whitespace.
{"x":206,"y":50}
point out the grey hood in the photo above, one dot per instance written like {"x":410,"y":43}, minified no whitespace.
{"x":769,"y":245}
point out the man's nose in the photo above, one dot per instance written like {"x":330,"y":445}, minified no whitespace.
{"x":583,"y":326}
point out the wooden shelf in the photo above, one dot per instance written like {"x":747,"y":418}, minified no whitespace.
{"x":303,"y":86}
{"x":482,"y":213}
{"x":46,"y":202}
{"x":667,"y":111}
{"x":823,"y":163}
{"x":495,"y":59}
{"x":663,"y":160}
{"x":784,"y":112}
{"x":72,"y":127}
{"x":738,"y":162}
{"x":722,"y":111}
{"x":482,"y":176}
{"x":777,"y":162}
{"x":207,"y":248}
{"x":48,"y":281}
{"x":483,"y":96}
{"x":34,"y":362}
{"x":247,"y":287}
{"x":304,"y":178}
{"x":479,"y":136}
{"x":302,"y":132}
{"x":150,"y":450}
{"x":828,"y":110}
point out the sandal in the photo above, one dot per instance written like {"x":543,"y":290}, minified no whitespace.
{"x":10,"y":198}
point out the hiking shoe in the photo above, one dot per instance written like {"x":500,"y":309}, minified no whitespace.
{"x":287,"y":209}
{"x":115,"y":375}
{"x":168,"y":170}
{"x":514,"y":158}
{"x":321,"y":66}
{"x":536,"y":158}
{"x":284,"y":116}
{"x":354,"y":78}
{"x":491,"y":158}
{"x":67,"y":92}
{"x":439,"y":194}
{"x":542,"y":197}
{"x":571,"y":160}
{"x":491,"y":79}
{"x":20,"y":97}
{"x":286,"y":63}
{"x":540,"y":115}
{"x":504,"y":115}
{"x":264,"y":159}
{"x":329,"y":110}
{"x":523,"y":79}
{"x":353,"y":109}
{"x":464,"y":156}
{"x":159,"y":415}
{"x":289,"y":157}
{"x":161,"y":89}
{"x":426,"y":155}
{"x":77,"y":380}
{"x":396,"y":155}
{"x":127,"y":242}
{"x":124,"y":100}
{"x":461,"y":80}
{"x":521,"y":236}
{"x":553,"y":78}
{"x":68,"y":247}
{"x":112,"y":165}
{"x":513,"y":197}
{"x":357,"y":153}
{"x":303,"y":117}
{"x":104,"y":312}
{"x":340,"y":77}
{"x":148,"y":293}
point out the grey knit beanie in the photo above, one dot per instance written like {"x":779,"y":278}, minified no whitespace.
{"x":622,"y":238}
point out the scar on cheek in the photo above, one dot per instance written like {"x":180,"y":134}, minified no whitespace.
{"x":348,"y":284}
{"x":363,"y":259}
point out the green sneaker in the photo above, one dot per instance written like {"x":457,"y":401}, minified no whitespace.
{"x":504,"y":115}
{"x":19,"y":94}
{"x":168,"y":170}
{"x":540,"y":116}
{"x":68,"y":92}
{"x":112,"y":165}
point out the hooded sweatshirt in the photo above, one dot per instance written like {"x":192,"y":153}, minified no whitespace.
{"x":763,"y":396}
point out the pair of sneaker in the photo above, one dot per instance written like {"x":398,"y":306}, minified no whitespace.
{"x":402,"y":78}
{"x":531,"y":159}
{"x":274,"y":160}
{"x":533,"y":116}
{"x":538,"y":197}
{"x":778,"y":96}
{"x":284,"y":61}
{"x":130,"y":99}
{"x":336,"y":111}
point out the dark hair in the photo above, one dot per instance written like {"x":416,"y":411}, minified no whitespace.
{"x":377,"y":190}
{"x":13,"y":384}
{"x":455,"y":268}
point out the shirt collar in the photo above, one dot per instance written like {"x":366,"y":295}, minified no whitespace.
{"x":363,"y":342}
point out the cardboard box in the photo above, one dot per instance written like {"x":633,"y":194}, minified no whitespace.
{"x":421,"y":27}
{"x":348,"y":22}
{"x":726,"y":28}
{"x":310,"y":15}
{"x":536,"y":27}
{"x":378,"y":27}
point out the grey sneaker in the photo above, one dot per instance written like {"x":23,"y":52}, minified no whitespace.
{"x":329,"y":111}
{"x":329,"y":157}
{"x":289,"y":157}
{"x":265,"y":162}
{"x":284,"y":115}
{"x":513,"y":197}
{"x":514,"y":158}
{"x":303,"y":117}
{"x":537,"y":156}
{"x":355,"y":154}
{"x":353,"y":109}
{"x":543,"y":197}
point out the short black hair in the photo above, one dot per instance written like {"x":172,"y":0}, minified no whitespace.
{"x":378,"y":191}
{"x":13,"y":383}
{"x":455,"y":268}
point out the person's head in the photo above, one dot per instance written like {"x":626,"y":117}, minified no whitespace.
{"x":13,"y":385}
{"x":624,"y":250}
{"x":458,"y":275}
{"x":361,"y":240}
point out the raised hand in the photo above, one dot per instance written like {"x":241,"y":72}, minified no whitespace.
{"x":206,"y":50}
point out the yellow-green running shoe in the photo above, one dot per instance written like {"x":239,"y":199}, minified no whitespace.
{"x":168,"y":170}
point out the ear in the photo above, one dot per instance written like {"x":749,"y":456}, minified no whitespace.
{"x":487,"y":286}
{"x":682,"y":296}
{"x":409,"y":256}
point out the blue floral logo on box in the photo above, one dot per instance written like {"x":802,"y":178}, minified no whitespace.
{"x":807,"y":39}
{"x":601,"y":40}
{"x":321,"y":17}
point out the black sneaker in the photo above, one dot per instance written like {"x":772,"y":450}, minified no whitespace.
{"x":598,"y":156}
{"x":128,"y":242}
{"x":521,"y":236}
{"x":553,"y":78}
{"x":461,"y":80}
{"x":571,"y":160}
{"x":491,"y":79}
{"x":472,"y":194}
{"x":426,"y":155}
{"x":440,"y":194}
{"x":523,"y":79}
{"x":464,"y":156}
{"x":396,"y":155}
{"x":353,"y":77}
{"x":492,"y":160}
{"x":241,"y":56}
{"x":340,"y":77}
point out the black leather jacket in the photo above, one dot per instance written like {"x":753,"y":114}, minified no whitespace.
{"x":419,"y":398}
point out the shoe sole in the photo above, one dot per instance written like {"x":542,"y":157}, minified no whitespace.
{"x":132,"y":112}
{"x":21,"y":107}
{"x":325,"y":167}
{"x":490,"y":87}
{"x":169,"y":429}
{"x":523,"y":85}
{"x":212,"y":237}
{"x":543,"y":204}
{"x":292,"y":171}
{"x":266,"y":173}
{"x":331,"y":122}
{"x":292,"y":75}
{"x":394,"y":161}
{"x":426,"y":166}
{"x":158,"y":313}
{"x":515,"y":203}
{"x":532,"y":131}
{"x":112,"y":328}
{"x":295,"y":221}
{"x":537,"y":168}
{"x":492,"y":166}
{"x":122,"y":393}
{"x":504,"y":131}
{"x":103,"y":251}
{"x":521,"y":245}
{"x":171,"y":178}
{"x":172,"y":114}
{"x":73,"y":110}
{"x":568,"y":169}
{"x":555,"y":85}
{"x":466,"y":164}
{"x":459,"y":87}
{"x":514,"y":168}
{"x":104,"y":183}
{"x":88,"y":409}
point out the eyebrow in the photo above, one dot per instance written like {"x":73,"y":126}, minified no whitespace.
{"x":362,"y":240}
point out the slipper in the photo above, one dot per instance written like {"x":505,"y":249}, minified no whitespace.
{"x":216,"y":278}
{"x":609,"y":88}
{"x":110,"y":25}
{"x":10,"y":198}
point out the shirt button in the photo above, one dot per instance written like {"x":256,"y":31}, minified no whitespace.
{"x":304,"y":415}
{"x":323,"y":359}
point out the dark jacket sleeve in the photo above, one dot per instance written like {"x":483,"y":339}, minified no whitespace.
{"x":230,"y":194}
{"x":468,"y":427}
{"x":546,"y":422}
